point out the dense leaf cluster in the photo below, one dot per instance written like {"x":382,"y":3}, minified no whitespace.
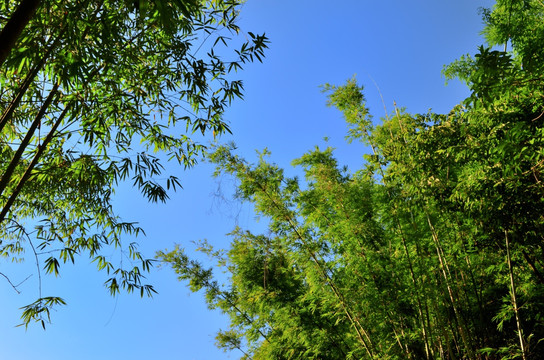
{"x":434,"y":250}
{"x":96,"y":93}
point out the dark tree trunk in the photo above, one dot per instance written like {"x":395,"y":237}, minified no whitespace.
{"x":14,"y":27}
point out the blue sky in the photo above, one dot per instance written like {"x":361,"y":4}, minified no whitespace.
{"x":400,"y":45}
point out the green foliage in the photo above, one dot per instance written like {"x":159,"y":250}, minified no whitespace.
{"x":40,"y":310}
{"x":99,"y":93}
{"x":432,"y":251}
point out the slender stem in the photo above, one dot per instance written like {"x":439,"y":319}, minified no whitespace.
{"x":513,"y":294}
{"x":9,"y":281}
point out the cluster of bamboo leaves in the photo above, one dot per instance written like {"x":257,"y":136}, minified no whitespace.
{"x":433,"y":250}
{"x":94,"y":93}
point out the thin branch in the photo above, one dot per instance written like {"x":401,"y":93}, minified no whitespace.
{"x":538,"y":117}
{"x":12,"y":285}
{"x":23,"y":230}
{"x":37,"y":266}
{"x":381,"y":96}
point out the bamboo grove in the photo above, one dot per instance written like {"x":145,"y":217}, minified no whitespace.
{"x":433,"y":250}
{"x":97,"y":93}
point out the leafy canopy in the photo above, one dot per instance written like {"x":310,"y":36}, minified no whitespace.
{"x":432,"y":250}
{"x":96,"y":94}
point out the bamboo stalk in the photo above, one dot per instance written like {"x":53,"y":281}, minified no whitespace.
{"x":6,"y":177}
{"x":32,"y":164}
{"x":514,"y":299}
{"x":8,"y":112}
{"x":15,"y":26}
{"x":428,"y":349}
{"x":446,"y":275}
{"x":362,"y":334}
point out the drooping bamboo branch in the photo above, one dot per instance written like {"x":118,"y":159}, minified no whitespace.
{"x":362,"y":334}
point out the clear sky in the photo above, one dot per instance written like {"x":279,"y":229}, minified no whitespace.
{"x":400,"y":45}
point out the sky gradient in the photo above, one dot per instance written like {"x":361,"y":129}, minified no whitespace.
{"x":398,"y":47}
